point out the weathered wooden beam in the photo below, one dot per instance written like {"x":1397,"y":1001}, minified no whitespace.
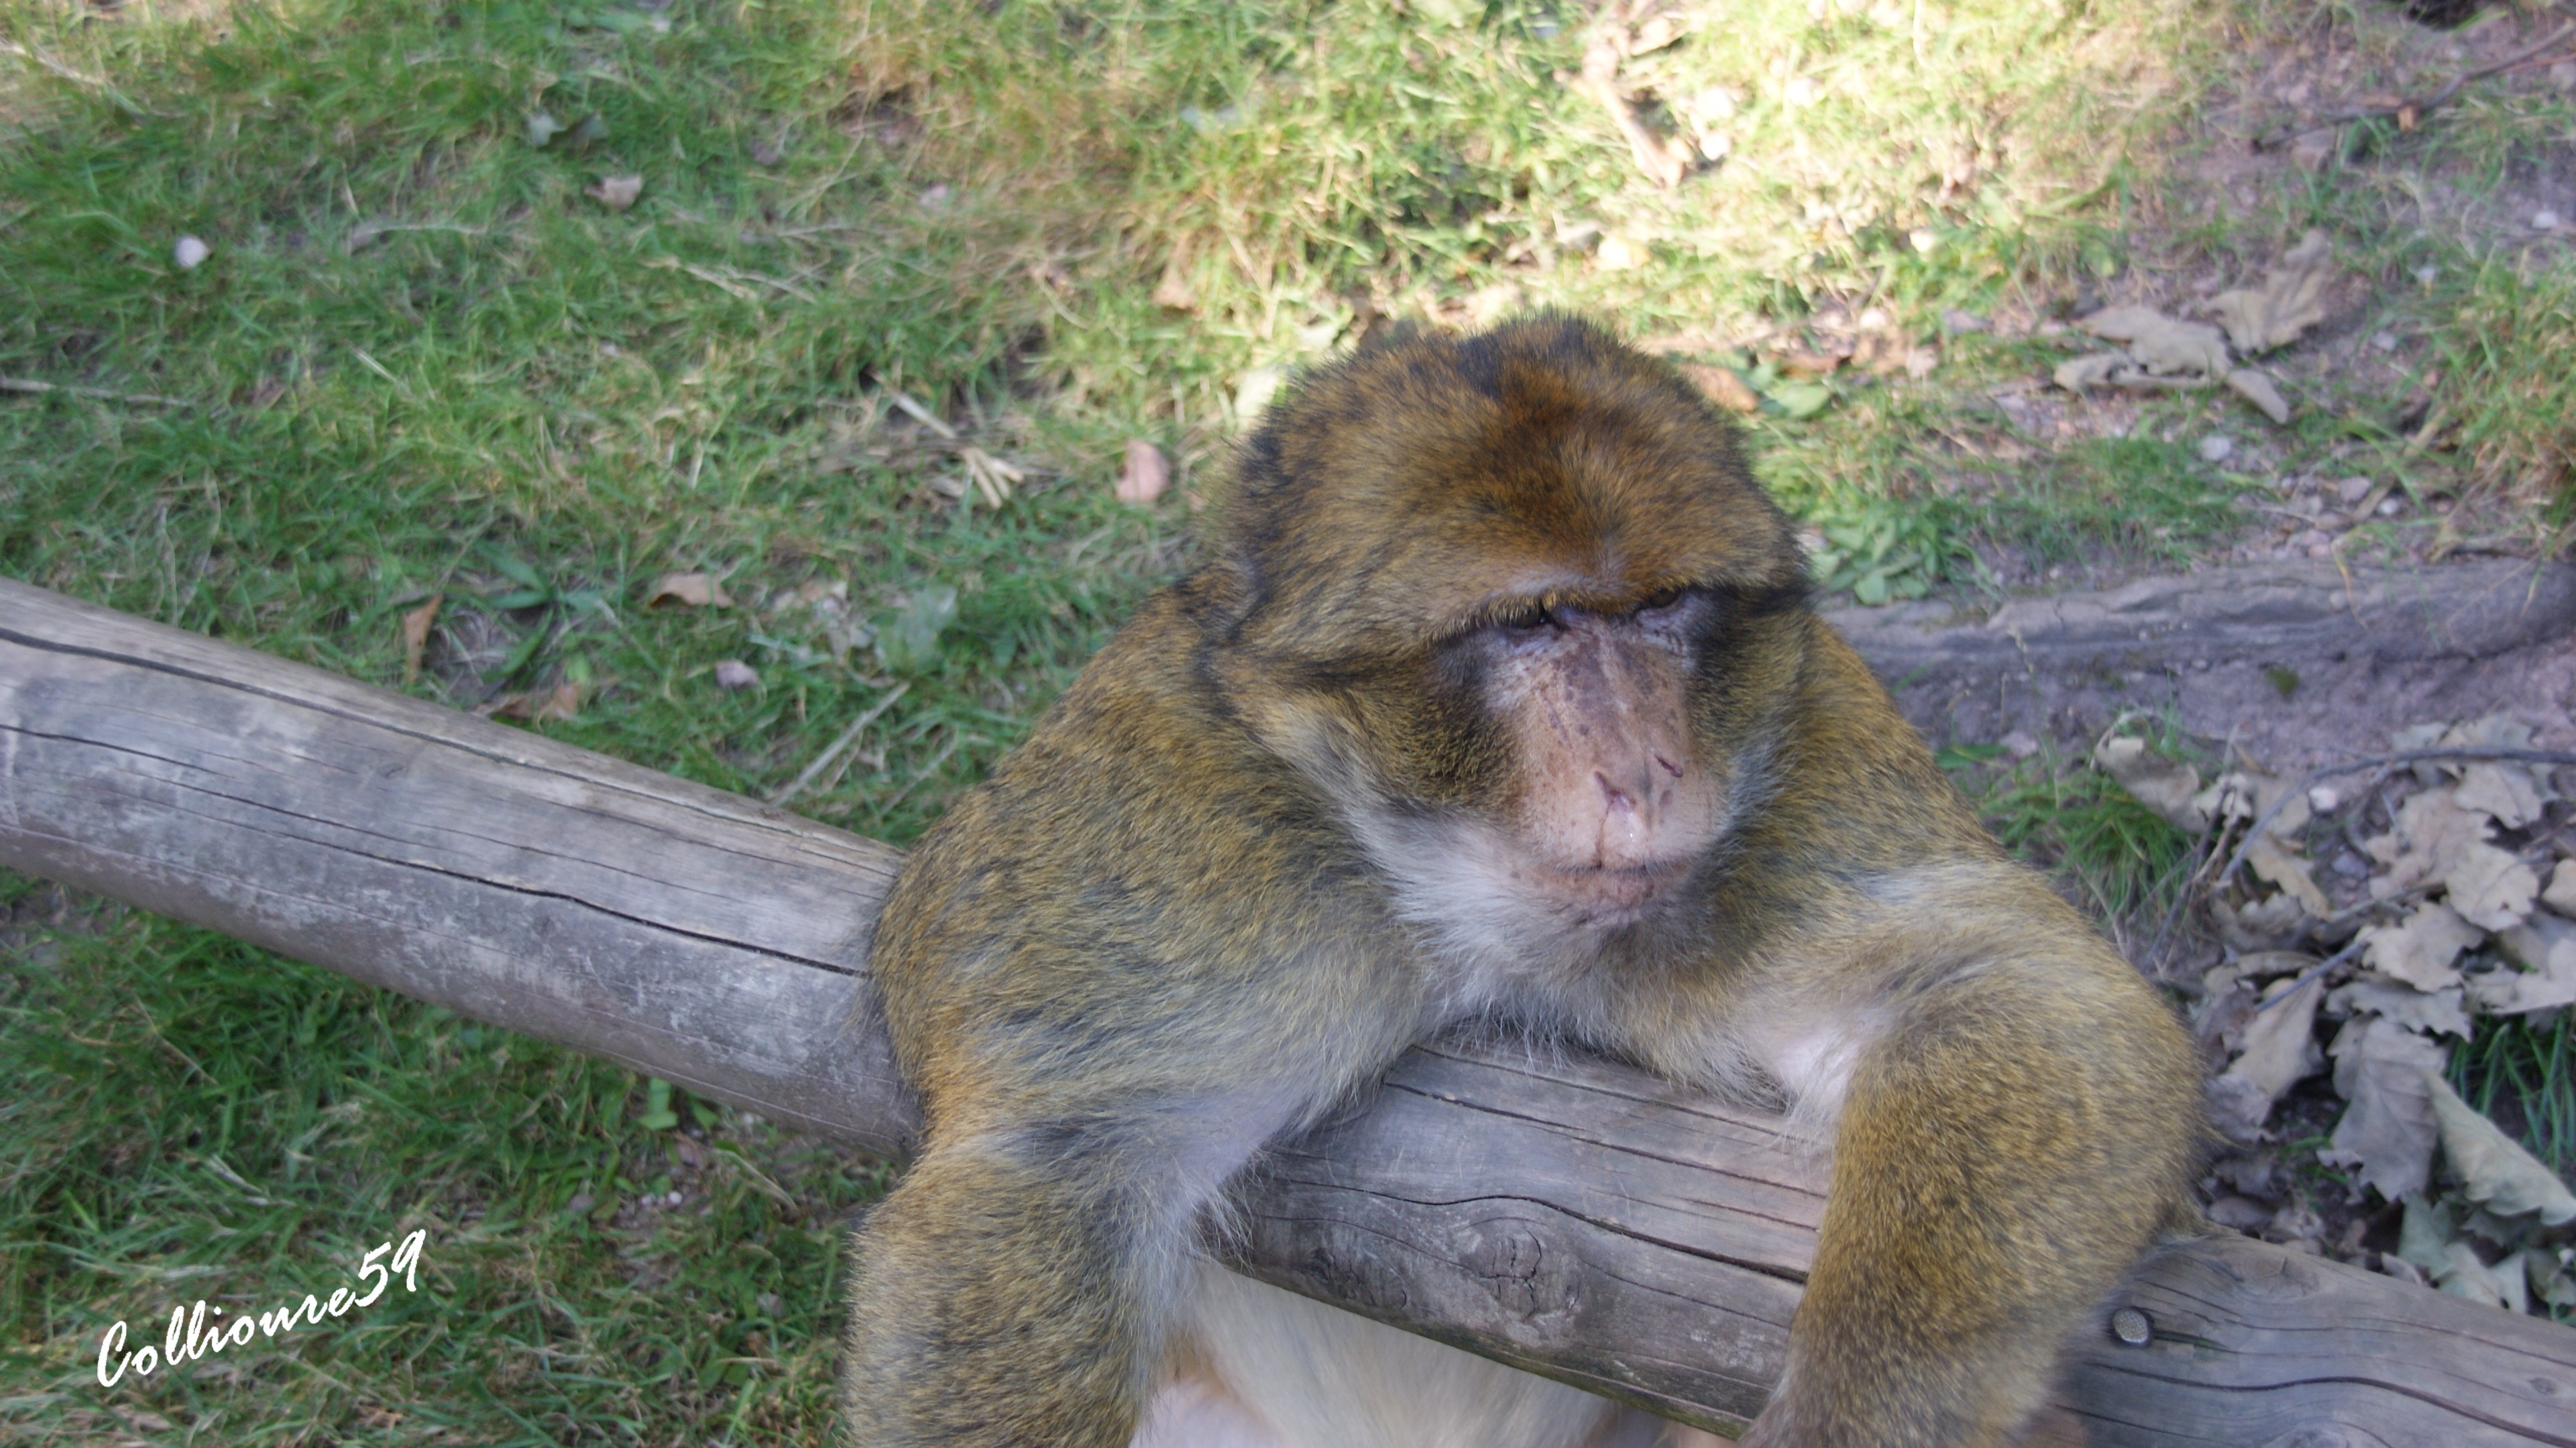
{"x":1570,"y":1216}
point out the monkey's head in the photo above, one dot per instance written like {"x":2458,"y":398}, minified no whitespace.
{"x":1514,"y":602}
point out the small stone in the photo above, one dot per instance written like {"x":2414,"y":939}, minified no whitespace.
{"x":2218,"y":447}
{"x":190,"y":252}
{"x":2546,"y":220}
{"x":2352,"y":490}
{"x":936,"y":196}
{"x":1145,"y":476}
{"x":733,"y":674}
{"x":2563,"y":75}
{"x":2350,"y":866}
{"x":2389,"y":507}
{"x":2311,"y":541}
{"x":2019,"y":745}
{"x":2425,"y":276}
{"x":1923,"y":239}
{"x":1618,"y":253}
{"x":2384,"y":341}
{"x":1955,"y":321}
{"x":2324,"y":798}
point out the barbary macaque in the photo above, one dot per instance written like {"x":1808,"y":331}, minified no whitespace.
{"x":1500,"y":702}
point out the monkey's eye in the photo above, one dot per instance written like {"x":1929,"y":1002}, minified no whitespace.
{"x":1662,"y":599}
{"x":1527,"y":618}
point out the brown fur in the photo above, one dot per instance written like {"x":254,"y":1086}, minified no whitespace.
{"x":1178,"y":920}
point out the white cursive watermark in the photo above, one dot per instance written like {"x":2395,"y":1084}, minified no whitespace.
{"x":190,"y":1337}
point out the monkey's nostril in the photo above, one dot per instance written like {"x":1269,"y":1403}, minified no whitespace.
{"x":1611,"y":794}
{"x":1670,"y":768}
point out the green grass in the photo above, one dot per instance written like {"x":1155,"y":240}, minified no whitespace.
{"x":420,"y":362}
{"x":2118,"y":860}
{"x":2523,"y":1073}
{"x":195,"y":1119}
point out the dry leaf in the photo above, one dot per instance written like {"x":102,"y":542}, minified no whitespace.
{"x":1723,"y":386}
{"x":2258,"y":924}
{"x":2161,"y":345}
{"x":2493,"y":1169}
{"x":616,"y":192}
{"x":2387,"y":1133}
{"x":1174,"y":290}
{"x":2489,"y":887}
{"x":2166,"y":787}
{"x":2464,"y":1275}
{"x":2489,"y":731}
{"x":2422,"y":1232}
{"x":2550,"y":1279}
{"x":734,"y":674}
{"x":2416,"y":1010}
{"x":695,"y":590}
{"x":2545,"y":948}
{"x":1598,"y":80}
{"x":2290,"y":301}
{"x":563,"y":701}
{"x":2431,"y":832}
{"x":2420,"y":950}
{"x":2161,"y":354}
{"x":1146,"y":474}
{"x":2280,"y":1049}
{"x":2273,"y":861}
{"x":2504,"y":792}
{"x":2256,"y":386}
{"x":2561,"y":894}
{"x":415,"y":634}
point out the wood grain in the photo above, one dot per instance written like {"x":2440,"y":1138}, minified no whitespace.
{"x":1570,"y":1216}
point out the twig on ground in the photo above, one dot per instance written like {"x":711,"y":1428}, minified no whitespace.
{"x":2407,"y":111}
{"x":51,"y":64}
{"x":2264,"y":820}
{"x":2351,"y":948}
{"x":2203,"y":850}
{"x":34,"y":388}
{"x":833,"y":750}
{"x":954,"y":739}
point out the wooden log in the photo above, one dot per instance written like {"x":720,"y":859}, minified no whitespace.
{"x":2297,"y":664}
{"x":1573,"y":1217}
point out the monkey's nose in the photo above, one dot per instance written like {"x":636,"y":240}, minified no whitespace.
{"x":1627,"y":821}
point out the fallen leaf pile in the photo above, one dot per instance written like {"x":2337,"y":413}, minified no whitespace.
{"x":2159,"y":353}
{"x":2454,"y":911}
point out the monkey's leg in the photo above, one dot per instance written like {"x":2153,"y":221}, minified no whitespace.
{"x":1014,"y":1289}
{"x":2005,"y":1150}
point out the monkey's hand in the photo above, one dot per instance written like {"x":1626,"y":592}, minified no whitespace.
{"x":2005,"y":1151}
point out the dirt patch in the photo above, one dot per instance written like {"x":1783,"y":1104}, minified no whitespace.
{"x":2300,"y":664}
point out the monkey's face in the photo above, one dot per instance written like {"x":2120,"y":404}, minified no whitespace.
{"x":1516,"y":604}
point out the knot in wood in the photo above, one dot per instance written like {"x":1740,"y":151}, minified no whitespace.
{"x":1512,"y":1260}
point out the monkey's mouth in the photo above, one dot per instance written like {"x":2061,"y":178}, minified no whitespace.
{"x":1606,"y":898}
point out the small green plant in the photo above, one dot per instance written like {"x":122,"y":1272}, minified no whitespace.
{"x":1880,"y":554}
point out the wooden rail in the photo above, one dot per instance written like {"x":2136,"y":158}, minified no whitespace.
{"x":1573,"y":1217}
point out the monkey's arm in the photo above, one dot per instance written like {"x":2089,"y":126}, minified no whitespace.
{"x":1012,"y":1288}
{"x":2008,"y":1143}
{"x":1114,"y":971}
